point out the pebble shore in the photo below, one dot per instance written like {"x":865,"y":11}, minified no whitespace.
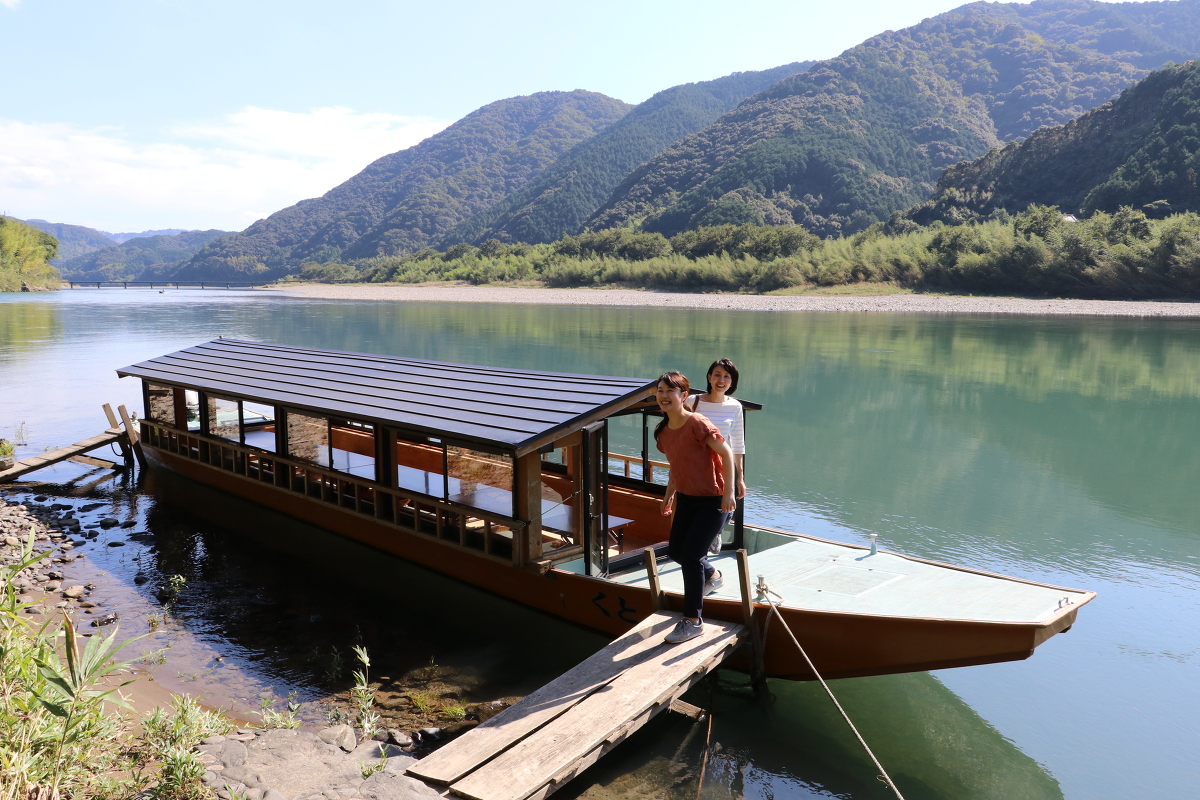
{"x":890,"y":304}
{"x":41,"y":585}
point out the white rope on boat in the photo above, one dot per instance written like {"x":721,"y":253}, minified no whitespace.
{"x":763,"y":592}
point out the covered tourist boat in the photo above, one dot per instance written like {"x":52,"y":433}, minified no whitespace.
{"x":504,"y":478}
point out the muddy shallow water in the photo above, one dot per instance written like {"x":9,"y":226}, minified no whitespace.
{"x":1062,"y":450}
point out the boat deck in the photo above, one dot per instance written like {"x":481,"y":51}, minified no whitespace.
{"x":824,"y":576}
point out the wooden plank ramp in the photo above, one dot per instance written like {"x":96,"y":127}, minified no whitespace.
{"x":528,"y":751}
{"x":75,"y":451}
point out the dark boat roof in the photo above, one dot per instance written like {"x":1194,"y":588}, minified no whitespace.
{"x":511,"y":410}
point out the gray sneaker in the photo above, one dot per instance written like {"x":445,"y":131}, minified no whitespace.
{"x":714,"y":583}
{"x":714,"y":546}
{"x":685,"y":629}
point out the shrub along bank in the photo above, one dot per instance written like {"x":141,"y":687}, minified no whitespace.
{"x":1037,"y":252}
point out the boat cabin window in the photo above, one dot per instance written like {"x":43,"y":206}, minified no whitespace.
{"x":161,"y":403}
{"x":258,"y":425}
{"x":224,"y":418}
{"x":191,"y":403}
{"x":308,"y":438}
{"x":631,"y":450}
{"x":353,"y":447}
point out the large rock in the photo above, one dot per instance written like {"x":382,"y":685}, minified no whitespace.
{"x":340,"y":735}
{"x":233,"y":754}
{"x":301,"y":764}
{"x":390,"y":785}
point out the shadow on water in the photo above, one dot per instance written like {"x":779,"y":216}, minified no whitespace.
{"x":273,"y":605}
{"x":294,"y":599}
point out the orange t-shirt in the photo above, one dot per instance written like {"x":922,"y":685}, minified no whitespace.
{"x":695,"y":466}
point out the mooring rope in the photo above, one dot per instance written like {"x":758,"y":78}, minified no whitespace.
{"x":764,"y":591}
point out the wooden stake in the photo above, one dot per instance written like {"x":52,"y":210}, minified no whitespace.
{"x":656,"y":595}
{"x":756,"y":668}
{"x":112,"y":423}
{"x":134,"y":443}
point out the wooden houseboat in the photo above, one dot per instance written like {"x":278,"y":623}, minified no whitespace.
{"x":503,"y":478}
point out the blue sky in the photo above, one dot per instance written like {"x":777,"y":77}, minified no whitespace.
{"x":144,"y":114}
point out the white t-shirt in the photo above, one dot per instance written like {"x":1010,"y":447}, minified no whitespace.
{"x":727,"y":416}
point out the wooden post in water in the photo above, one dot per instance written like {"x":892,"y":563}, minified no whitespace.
{"x":126,"y":453}
{"x":656,"y":595}
{"x":134,"y":443}
{"x":756,"y":660}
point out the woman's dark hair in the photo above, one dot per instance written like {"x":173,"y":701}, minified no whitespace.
{"x":676,"y":380}
{"x":728,"y":366}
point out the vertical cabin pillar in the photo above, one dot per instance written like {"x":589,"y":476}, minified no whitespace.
{"x":179,"y":399}
{"x":527,"y":502}
{"x":573,"y":457}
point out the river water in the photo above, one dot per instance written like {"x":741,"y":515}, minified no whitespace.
{"x":1058,"y":449}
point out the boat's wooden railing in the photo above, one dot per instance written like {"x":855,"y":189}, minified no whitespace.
{"x":413,"y":512}
{"x":649,"y":465}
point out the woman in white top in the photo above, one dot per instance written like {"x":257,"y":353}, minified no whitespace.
{"x":726,"y":413}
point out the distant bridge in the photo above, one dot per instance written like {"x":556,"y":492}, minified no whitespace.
{"x":164,"y":284}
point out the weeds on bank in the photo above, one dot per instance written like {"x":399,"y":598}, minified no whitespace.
{"x":422,"y":702}
{"x":279,"y":719}
{"x":56,"y":739}
{"x":454,"y":711}
{"x":367,"y":770}
{"x":364,"y":696}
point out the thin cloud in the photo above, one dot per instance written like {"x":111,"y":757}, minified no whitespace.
{"x":218,"y":175}
{"x":10,"y":3}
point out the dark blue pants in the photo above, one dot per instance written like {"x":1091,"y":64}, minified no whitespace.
{"x":697,"y":520}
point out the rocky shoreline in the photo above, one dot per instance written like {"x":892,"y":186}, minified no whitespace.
{"x":256,"y":764}
{"x":49,"y":534}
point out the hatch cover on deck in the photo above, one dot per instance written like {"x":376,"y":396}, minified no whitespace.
{"x":848,"y":581}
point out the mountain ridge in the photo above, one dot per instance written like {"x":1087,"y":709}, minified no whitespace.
{"x":405,"y":200}
{"x":568,"y":191}
{"x":752,"y":164}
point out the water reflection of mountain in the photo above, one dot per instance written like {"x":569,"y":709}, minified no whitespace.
{"x":26,"y":325}
{"x":910,"y":414}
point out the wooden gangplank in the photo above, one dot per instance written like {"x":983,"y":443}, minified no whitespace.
{"x":528,"y":751}
{"x":121,"y":434}
{"x":27,"y":465}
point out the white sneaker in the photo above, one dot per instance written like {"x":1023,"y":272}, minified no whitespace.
{"x":714,"y":583}
{"x":685,"y":629}
{"x":714,"y":546}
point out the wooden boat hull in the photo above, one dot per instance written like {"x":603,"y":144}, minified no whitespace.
{"x":841,"y":645}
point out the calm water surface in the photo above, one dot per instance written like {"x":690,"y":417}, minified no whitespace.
{"x":1061,"y":450}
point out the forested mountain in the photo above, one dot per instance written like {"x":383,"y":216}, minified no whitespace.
{"x":25,"y":254}
{"x":138,"y":258}
{"x":867,"y":133}
{"x":410,"y":199}
{"x":557,"y":202}
{"x":73,"y":240}
{"x":1142,"y":149}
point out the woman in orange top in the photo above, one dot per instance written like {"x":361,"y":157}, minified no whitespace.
{"x":700,"y":492}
